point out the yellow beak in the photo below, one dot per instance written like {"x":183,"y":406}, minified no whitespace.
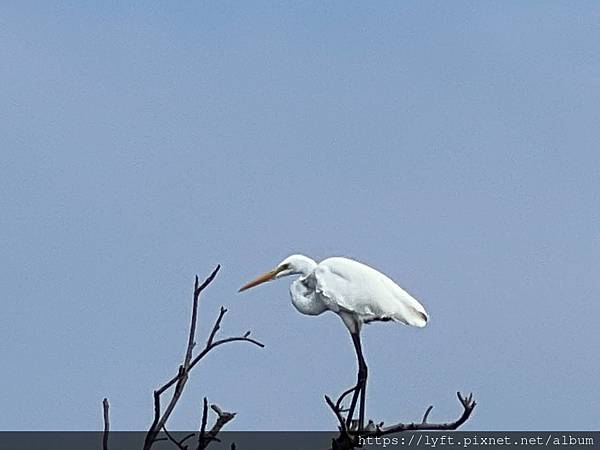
{"x":262,"y":279}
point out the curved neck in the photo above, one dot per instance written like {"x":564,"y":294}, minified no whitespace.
{"x":304,"y":297}
{"x":303,"y":266}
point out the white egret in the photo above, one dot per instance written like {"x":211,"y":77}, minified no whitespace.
{"x":356,"y":292}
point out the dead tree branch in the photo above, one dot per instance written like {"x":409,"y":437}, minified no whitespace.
{"x":223,"y":417}
{"x":105,"y":407}
{"x":180,"y":379}
{"x":348,"y":439}
{"x":178,"y":444}
{"x":468,"y":405}
{"x":204,"y":420}
{"x":345,"y":440}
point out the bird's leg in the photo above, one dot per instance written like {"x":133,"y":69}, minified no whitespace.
{"x":362,"y":377}
{"x":361,"y":385}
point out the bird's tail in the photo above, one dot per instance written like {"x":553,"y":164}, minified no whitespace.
{"x":413,"y":316}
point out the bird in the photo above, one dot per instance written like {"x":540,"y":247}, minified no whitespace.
{"x":354,"y":291}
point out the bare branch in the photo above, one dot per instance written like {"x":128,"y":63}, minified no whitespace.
{"x":204,"y":352}
{"x":203,"y":424}
{"x":191,"y":435}
{"x":223,"y":418}
{"x":192,"y":334}
{"x":180,"y":380}
{"x":179,"y":445}
{"x":216,"y":327}
{"x":182,"y":375}
{"x":105,"y":407}
{"x":426,"y":415}
{"x":337,"y":413}
{"x":468,"y":405}
{"x":349,"y":437}
{"x":207,"y":349}
{"x":338,"y":404}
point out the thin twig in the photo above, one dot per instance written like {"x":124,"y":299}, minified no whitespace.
{"x":204,"y":352}
{"x":337,"y":413}
{"x":338,"y":404}
{"x":191,"y":435}
{"x":344,"y":441}
{"x":192,"y":334}
{"x":179,"y":445}
{"x":203,"y":424}
{"x":105,"y":407}
{"x":216,"y":327}
{"x":426,"y":415}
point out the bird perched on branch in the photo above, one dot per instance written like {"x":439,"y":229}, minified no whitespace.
{"x":357,"y":293}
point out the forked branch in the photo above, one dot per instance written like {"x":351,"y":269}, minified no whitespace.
{"x":349,"y":438}
{"x":467,"y":403}
{"x":206,"y":437}
{"x":180,"y":379}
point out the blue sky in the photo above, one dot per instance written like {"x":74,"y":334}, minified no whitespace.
{"x":452,"y":145}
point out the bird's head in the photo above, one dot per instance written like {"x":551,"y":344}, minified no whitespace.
{"x":292,"y":265}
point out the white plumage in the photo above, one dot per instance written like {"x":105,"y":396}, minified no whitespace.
{"x":353,"y":290}
{"x":357,"y":293}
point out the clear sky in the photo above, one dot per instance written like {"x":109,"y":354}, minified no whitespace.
{"x":452,"y":145}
